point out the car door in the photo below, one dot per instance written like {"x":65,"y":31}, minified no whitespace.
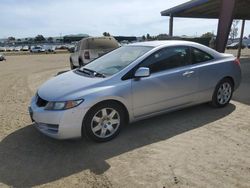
{"x":209,"y":73}
{"x":171,"y":84}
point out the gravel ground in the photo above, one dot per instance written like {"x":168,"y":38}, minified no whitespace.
{"x":195,"y":147}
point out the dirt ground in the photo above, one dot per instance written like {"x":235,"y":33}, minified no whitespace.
{"x":195,"y":147}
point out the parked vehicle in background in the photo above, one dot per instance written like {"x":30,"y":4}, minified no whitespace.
{"x":11,"y":49}
{"x":6,"y":48}
{"x":61,"y":47}
{"x":25,"y":48}
{"x":91,"y":48}
{"x":235,"y":45}
{"x":2,"y":49}
{"x":2,"y":57}
{"x":18,"y":48}
{"x":133,"y":82}
{"x":71,"y":48}
{"x":37,"y":49}
{"x":49,"y":49}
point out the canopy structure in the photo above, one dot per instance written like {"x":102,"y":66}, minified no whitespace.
{"x":224,"y":10}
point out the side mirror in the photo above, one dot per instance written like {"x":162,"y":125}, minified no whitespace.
{"x":142,"y":72}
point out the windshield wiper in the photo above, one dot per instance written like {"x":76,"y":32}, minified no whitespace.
{"x":94,"y":73}
{"x":84,"y":71}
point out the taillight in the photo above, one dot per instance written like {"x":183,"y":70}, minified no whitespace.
{"x":237,"y":61}
{"x":86,"y":55}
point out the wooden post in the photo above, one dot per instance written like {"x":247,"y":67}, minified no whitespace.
{"x":224,"y":25}
{"x":171,"y":21}
{"x":241,"y":38}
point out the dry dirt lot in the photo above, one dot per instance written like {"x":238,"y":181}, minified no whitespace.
{"x":195,"y":147}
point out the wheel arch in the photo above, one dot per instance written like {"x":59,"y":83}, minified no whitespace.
{"x":230,"y":78}
{"x":127,"y":115}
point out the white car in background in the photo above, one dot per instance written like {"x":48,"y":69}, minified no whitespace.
{"x":91,"y":48}
{"x":11,"y":48}
{"x":2,"y":49}
{"x":49,"y":49}
{"x":37,"y":49}
{"x":18,"y":48}
{"x":25,"y":48}
{"x":2,"y":57}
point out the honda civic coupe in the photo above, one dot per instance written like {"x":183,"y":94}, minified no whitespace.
{"x":131,"y":83}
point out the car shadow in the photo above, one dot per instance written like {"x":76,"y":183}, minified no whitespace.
{"x":29,"y":158}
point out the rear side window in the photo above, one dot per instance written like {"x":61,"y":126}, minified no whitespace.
{"x":99,"y":43}
{"x":200,"y":56}
{"x":77,"y":48}
{"x":168,"y":58}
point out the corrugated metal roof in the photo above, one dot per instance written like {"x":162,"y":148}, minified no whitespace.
{"x":208,"y":9}
{"x":183,"y":7}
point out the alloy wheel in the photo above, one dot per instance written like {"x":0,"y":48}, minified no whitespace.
{"x":105,"y":122}
{"x":224,"y":93}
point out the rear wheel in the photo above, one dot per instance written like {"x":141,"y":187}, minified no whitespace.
{"x":72,"y":66}
{"x":223,"y":93}
{"x":80,"y":62}
{"x":104,"y":121}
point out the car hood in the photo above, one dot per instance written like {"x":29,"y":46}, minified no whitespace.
{"x":68,"y":86}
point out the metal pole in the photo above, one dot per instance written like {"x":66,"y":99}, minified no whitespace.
{"x":171,"y":20}
{"x":241,"y":38}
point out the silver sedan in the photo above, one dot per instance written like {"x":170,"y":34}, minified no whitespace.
{"x":131,"y":83}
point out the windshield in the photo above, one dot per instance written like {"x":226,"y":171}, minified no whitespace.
{"x":117,"y":60}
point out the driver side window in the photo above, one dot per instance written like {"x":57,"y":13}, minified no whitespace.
{"x":167,"y":58}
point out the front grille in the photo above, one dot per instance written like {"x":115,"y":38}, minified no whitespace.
{"x":41,"y":102}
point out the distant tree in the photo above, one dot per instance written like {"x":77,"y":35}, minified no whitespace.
{"x":234,"y":30}
{"x":162,"y":37}
{"x":148,"y":37}
{"x":143,"y":37}
{"x":19,"y":40}
{"x":50,"y":39}
{"x":207,"y":35}
{"x":11,"y":39}
{"x":106,"y":34}
{"x":39,"y":38}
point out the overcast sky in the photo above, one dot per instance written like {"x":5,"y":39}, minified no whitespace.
{"x":27,"y":18}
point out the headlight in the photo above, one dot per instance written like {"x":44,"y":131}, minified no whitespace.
{"x":62,"y":105}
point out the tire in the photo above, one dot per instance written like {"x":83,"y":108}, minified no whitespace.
{"x":80,"y":62}
{"x":223,"y":93}
{"x":72,"y":66}
{"x":101,"y":127}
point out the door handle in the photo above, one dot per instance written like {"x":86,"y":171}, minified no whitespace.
{"x":188,"y":73}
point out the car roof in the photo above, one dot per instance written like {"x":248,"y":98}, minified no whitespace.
{"x":166,"y":43}
{"x":162,"y":43}
{"x":90,"y":39}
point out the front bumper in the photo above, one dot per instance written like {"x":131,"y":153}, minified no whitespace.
{"x":60,"y":124}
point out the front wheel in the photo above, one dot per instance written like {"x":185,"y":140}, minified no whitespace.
{"x":223,"y":93}
{"x":104,"y":122}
